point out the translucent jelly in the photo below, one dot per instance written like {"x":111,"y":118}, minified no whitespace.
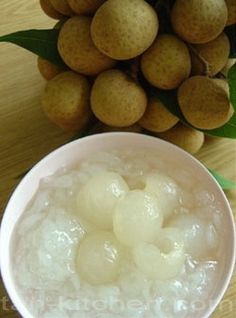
{"x":122,"y":234}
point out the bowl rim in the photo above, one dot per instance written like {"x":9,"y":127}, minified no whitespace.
{"x":5,"y":272}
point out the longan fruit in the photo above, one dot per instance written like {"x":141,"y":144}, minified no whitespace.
{"x":99,"y":258}
{"x":49,"y":10}
{"x":62,"y":6}
{"x":166,"y":191}
{"x":77,"y":49}
{"x":230,"y":62}
{"x":97,"y":199}
{"x":47,"y":69}
{"x":231,"y":5}
{"x":204,"y":102}
{"x":225,"y":86}
{"x":199,"y":21}
{"x":66,"y":101}
{"x":187,"y":138}
{"x":157,"y":117}
{"x":167,"y":62}
{"x":137,"y":218}
{"x":85,"y":6}
{"x":163,"y":260}
{"x":215,"y":53}
{"x":124,"y":29}
{"x":117,"y":100}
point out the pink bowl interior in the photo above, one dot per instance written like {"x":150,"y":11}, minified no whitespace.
{"x":74,"y":152}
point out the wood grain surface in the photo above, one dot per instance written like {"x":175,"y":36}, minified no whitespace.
{"x":26,"y":135}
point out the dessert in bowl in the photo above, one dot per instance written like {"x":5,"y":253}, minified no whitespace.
{"x":117,"y":225}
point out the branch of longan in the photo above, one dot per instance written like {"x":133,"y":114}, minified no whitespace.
{"x":203,"y":61}
{"x":163,"y":3}
{"x":135,"y":69}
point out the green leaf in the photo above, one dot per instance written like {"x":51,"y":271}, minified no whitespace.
{"x":226,"y":131}
{"x":40,"y":42}
{"x":169,"y":99}
{"x":232,"y":85}
{"x":223,"y":182}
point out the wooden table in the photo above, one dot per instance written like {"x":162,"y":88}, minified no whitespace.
{"x":26,"y":135}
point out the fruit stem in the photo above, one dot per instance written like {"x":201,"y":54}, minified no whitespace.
{"x":201,"y":59}
{"x":134,"y":69}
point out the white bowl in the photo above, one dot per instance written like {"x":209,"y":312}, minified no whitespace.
{"x":80,"y":149}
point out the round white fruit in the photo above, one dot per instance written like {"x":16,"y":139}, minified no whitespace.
{"x":137,"y":219}
{"x":96,"y":201}
{"x":99,"y":258}
{"x":166,"y":191}
{"x":163,"y":260}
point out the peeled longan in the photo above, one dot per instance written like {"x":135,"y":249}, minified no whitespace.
{"x":165,"y":190}
{"x":66,"y":101}
{"x":117,"y":100}
{"x":199,"y":21}
{"x":47,"y":69}
{"x":99,"y":258}
{"x":163,"y":260}
{"x":124,"y":29}
{"x":77,"y":49}
{"x":137,"y":218}
{"x":96,"y":201}
{"x":214,"y":53}
{"x":185,"y":137}
{"x":167,"y":62}
{"x":62,"y":6}
{"x":204,"y":102}
{"x":49,"y":10}
{"x":157,"y":118}
{"x":85,"y":6}
{"x":231,"y":5}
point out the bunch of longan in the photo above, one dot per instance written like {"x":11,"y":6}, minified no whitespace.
{"x":113,"y":50}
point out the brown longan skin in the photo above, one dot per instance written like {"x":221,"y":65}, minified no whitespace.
{"x":215,"y":53}
{"x":117,"y":100}
{"x":85,"y":6}
{"x":231,"y":5}
{"x":124,"y":29}
{"x":78,"y":50}
{"x":62,"y":6}
{"x":47,"y":69}
{"x":199,"y":21}
{"x":204,"y":102}
{"x":166,"y":64}
{"x":185,"y":137}
{"x":157,"y":118}
{"x":65,"y":101}
{"x":49,"y":10}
